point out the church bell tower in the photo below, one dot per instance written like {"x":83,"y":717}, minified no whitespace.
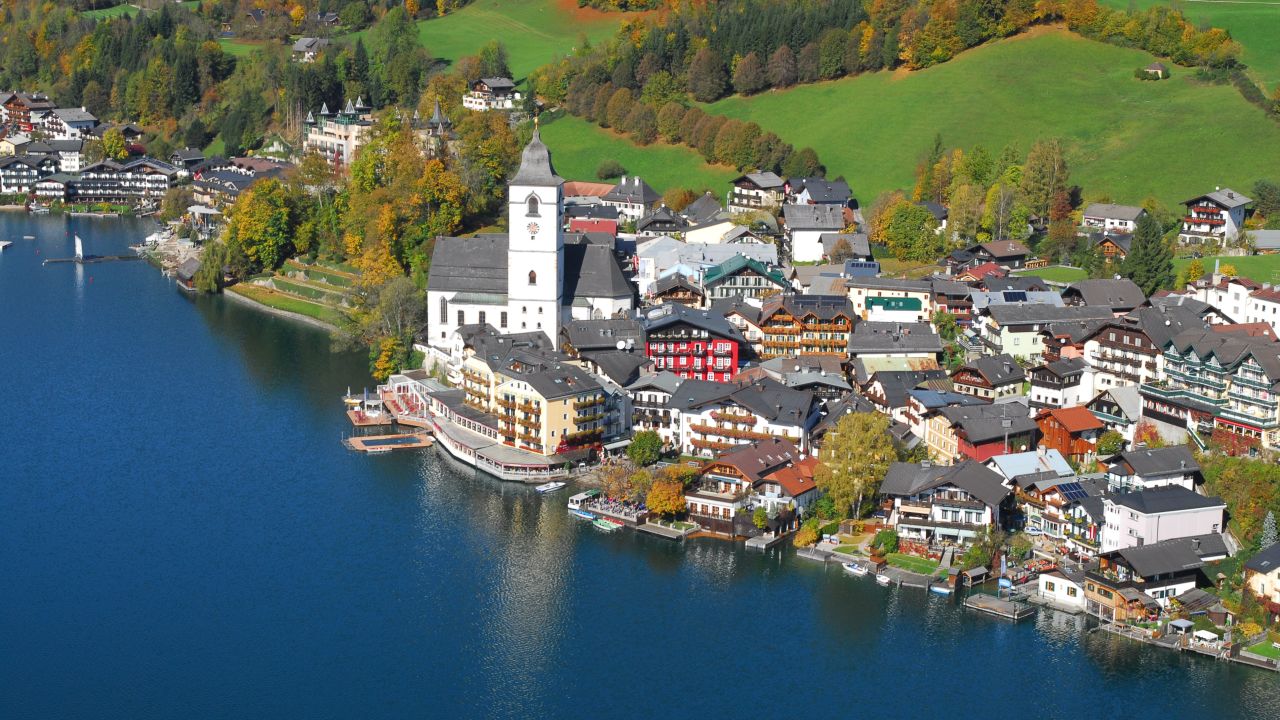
{"x":535,"y":250}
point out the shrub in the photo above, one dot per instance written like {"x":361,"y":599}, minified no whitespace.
{"x":609,"y":169}
{"x":886,"y":540}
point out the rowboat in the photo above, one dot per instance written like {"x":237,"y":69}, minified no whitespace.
{"x":855,"y":569}
{"x":550,"y":487}
{"x":582,"y":514}
{"x":883,"y":579}
{"x":606,"y":524}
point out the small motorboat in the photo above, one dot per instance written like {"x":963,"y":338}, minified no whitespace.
{"x":551,"y":487}
{"x":377,"y":450}
{"x":39,"y":210}
{"x":606,"y":524}
{"x":941,"y":589}
{"x":582,"y":514}
{"x":883,"y":579}
{"x":28,"y":237}
{"x":855,"y":569}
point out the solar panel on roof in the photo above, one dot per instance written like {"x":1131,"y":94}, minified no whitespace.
{"x":1072,"y":491}
{"x":1012,"y":296}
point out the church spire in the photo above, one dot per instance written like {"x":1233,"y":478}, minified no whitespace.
{"x":535,"y":164}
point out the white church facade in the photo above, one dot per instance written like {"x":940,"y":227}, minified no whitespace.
{"x":534,"y":278}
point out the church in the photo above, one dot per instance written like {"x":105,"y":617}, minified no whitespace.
{"x":534,"y":278}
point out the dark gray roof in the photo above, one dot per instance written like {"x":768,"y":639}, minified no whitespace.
{"x":813,"y":217}
{"x":1266,"y":560}
{"x":1014,"y":314}
{"x":475,"y":264}
{"x":896,"y":385}
{"x":998,"y":369}
{"x":1167,"y":498}
{"x":592,"y":271}
{"x":664,"y":218}
{"x":633,"y":190}
{"x":775,"y":402}
{"x":1226,"y":197}
{"x":822,"y":190}
{"x":933,"y":399}
{"x":1064,"y":368}
{"x":880,"y":337}
{"x":669,"y":314}
{"x":822,"y":307}
{"x":1230,"y":350}
{"x":694,"y":393}
{"x":703,"y":209}
{"x":1149,"y":462}
{"x":603,"y":334}
{"x":550,"y":378}
{"x":879,"y":283}
{"x":736,"y":304}
{"x":906,"y":479}
{"x":983,"y":423}
{"x":1161,"y":323}
{"x":938,"y":212}
{"x":762,"y":180}
{"x":1117,"y":294}
{"x":1024,"y":283}
{"x":1172,"y":556}
{"x":498,"y":83}
{"x":535,"y":165}
{"x":673,"y":281}
{"x":620,"y":366}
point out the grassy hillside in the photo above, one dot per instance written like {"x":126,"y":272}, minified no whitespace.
{"x":1262,"y":268}
{"x":1254,"y":23}
{"x":578,"y":147}
{"x":1125,"y":137}
{"x":534,"y":31}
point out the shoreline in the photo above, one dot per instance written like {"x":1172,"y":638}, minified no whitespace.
{"x":286,"y":314}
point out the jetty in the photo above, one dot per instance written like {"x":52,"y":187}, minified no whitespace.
{"x":992,"y":605}
{"x":82,"y":259}
{"x":377,"y":444}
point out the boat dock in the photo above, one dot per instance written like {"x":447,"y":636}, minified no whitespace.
{"x":663,"y":531}
{"x":361,"y":418}
{"x":90,"y":259}
{"x":999,"y":607}
{"x":764,"y":542}
{"x":376,"y":444}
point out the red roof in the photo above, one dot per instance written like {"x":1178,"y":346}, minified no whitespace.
{"x":985,"y":269}
{"x":796,"y":479}
{"x":1257,"y":329}
{"x":1075,"y":419}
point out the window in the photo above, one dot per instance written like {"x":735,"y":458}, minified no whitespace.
{"x":533,"y":278}
{"x":481,"y":320}
{"x":533,"y":207}
{"x":444,"y":311}
{"x":461,"y":321}
{"x":1072,"y":592}
{"x":502,"y":319}
{"x":1048,"y":585}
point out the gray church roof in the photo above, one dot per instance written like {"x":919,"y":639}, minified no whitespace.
{"x":535,"y":165}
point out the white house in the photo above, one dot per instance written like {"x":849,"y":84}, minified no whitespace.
{"x":632,"y":197}
{"x":1150,"y":516}
{"x":806,"y":224}
{"x":495,"y":93}
{"x":1112,"y":218}
{"x":1062,"y":588}
{"x":1218,"y":215}
{"x":943,"y":503}
{"x":1146,"y":468}
{"x":715,"y":416}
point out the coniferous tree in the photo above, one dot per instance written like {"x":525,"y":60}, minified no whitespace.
{"x":1149,"y":263}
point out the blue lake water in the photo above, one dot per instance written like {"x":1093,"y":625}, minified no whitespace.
{"x":182,"y":534}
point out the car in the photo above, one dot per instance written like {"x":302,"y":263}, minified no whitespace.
{"x":1034,"y":531}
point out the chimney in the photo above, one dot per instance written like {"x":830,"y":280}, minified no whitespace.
{"x":1195,"y":544}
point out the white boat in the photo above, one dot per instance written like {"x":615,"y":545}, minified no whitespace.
{"x":941,"y":589}
{"x":575,"y":502}
{"x":883,"y":579}
{"x":377,"y":450}
{"x":28,"y":237}
{"x":5,"y":243}
{"x":582,"y":514}
{"x":550,"y":487}
{"x":38,"y":210}
{"x":855,"y":569}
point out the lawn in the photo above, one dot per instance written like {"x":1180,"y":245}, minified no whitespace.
{"x":238,"y":48}
{"x":115,"y":11}
{"x":1255,"y":24}
{"x":849,"y":550}
{"x":1125,"y":138}
{"x":535,"y":32}
{"x":280,"y":301}
{"x":911,"y":563}
{"x":1265,"y":649}
{"x":578,"y":147}
{"x":1262,"y":268}
{"x":1057,"y":273}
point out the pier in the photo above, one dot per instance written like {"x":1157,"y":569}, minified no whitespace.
{"x":999,"y":607}
{"x":91,"y":259}
{"x":377,"y":444}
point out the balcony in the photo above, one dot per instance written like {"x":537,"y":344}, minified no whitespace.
{"x":506,"y":404}
{"x":1204,"y":221}
{"x":711,"y":445}
{"x":1258,"y":421}
{"x":589,"y":403}
{"x":586,"y":419}
{"x":583,"y":437}
{"x":729,"y":432}
{"x":739,"y":418}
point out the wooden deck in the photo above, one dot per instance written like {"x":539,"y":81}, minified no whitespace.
{"x":377,"y":444}
{"x":359,"y":418}
{"x":999,"y":607}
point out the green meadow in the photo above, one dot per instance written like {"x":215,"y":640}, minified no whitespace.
{"x":578,"y":147}
{"x":1126,"y":138}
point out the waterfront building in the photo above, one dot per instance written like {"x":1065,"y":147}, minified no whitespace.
{"x":1262,"y":579}
{"x":532,"y":278}
{"x":1063,"y":588}
{"x":716,"y":417}
{"x":651,"y":406}
{"x":773,"y":474}
{"x":1136,"y":583}
{"x":136,"y":181}
{"x":936,"y":504}
{"x":1146,"y":517}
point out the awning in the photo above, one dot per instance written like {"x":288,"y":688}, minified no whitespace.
{"x":618,"y":445}
{"x":1182,"y":625}
{"x":1206,"y":636}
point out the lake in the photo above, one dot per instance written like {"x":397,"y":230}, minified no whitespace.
{"x":182,"y":534}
